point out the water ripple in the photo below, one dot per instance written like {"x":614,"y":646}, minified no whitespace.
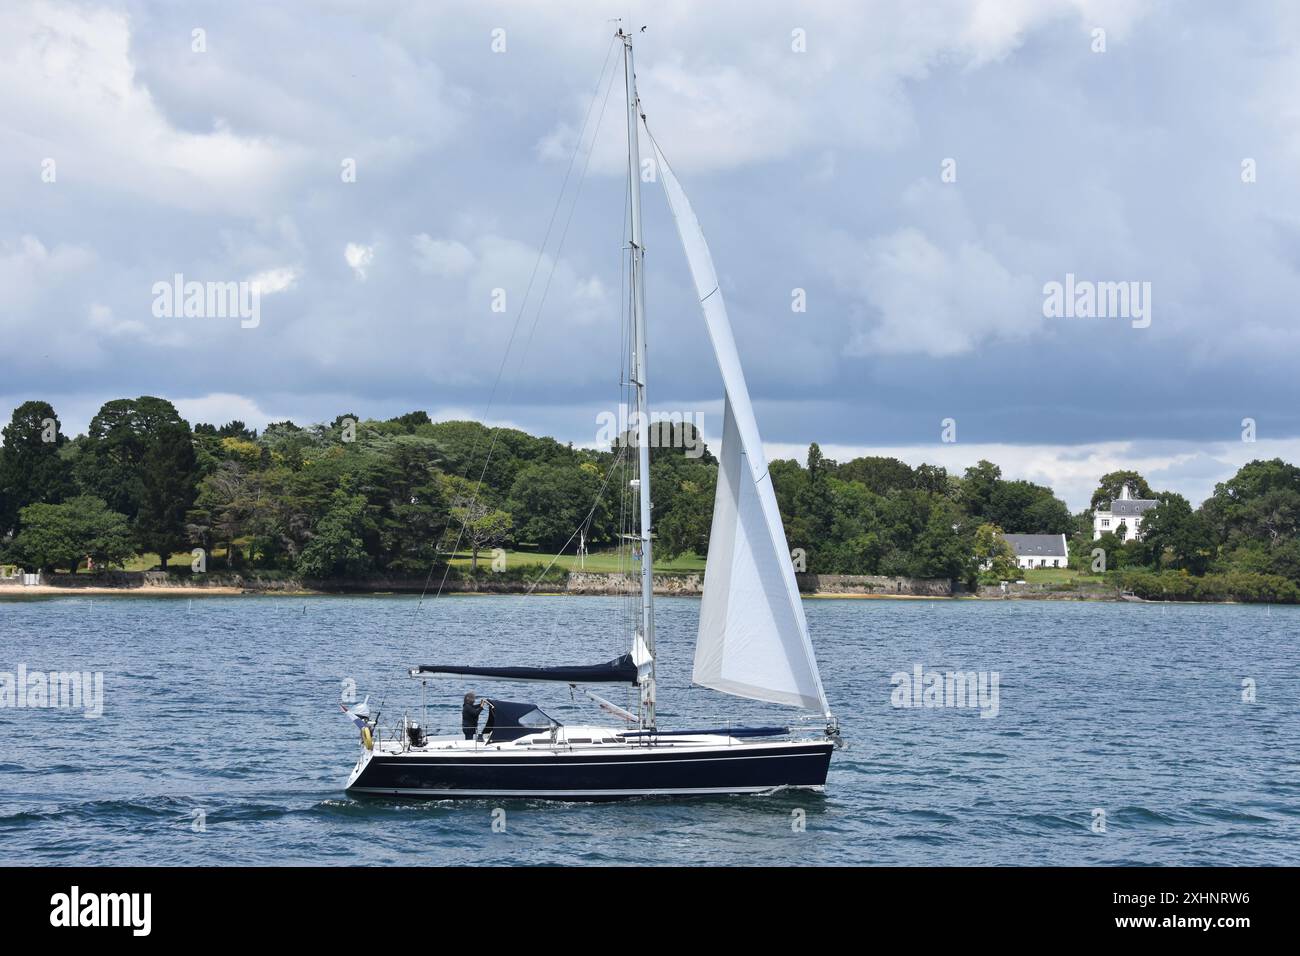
{"x":1121,"y":737}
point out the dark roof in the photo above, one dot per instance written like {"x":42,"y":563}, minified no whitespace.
{"x":1131,"y":506}
{"x":1037,"y":545}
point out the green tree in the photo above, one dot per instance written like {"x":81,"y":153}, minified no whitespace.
{"x":478,"y":526}
{"x":1171,"y":528}
{"x":878,"y":475}
{"x":978,"y":486}
{"x":60,"y":535}
{"x":933,"y":479}
{"x":684,"y":525}
{"x":816,"y":507}
{"x":221,"y":511}
{"x":167,"y":482}
{"x":1022,"y":507}
{"x":1260,"y":503}
{"x":1118,"y":554}
{"x":336,"y":548}
{"x":857,"y":540}
{"x":994,"y":555}
{"x":32,"y":470}
{"x":139,"y":457}
{"x":412,"y":499}
{"x":941,"y":550}
{"x":1112,"y":483}
{"x":290,"y":445}
{"x":550,"y":501}
{"x":410,"y":420}
{"x":1254,"y":518}
{"x":280,"y":516}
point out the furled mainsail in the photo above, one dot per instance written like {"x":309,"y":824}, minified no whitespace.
{"x":621,"y":670}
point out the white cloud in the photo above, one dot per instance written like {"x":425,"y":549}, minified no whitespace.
{"x":102,"y":321}
{"x":217,"y":408}
{"x":441,"y":257}
{"x":571,"y":299}
{"x":760,"y":101}
{"x":226,"y":164}
{"x":28,"y":268}
{"x":69,"y":91}
{"x":935,"y":300}
{"x":359,"y":257}
{"x":41,"y":298}
{"x":271,"y":281}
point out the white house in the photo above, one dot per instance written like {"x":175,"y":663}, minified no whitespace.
{"x":1039,"y":550}
{"x":1124,"y":517}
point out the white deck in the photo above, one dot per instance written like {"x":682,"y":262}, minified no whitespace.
{"x":566,"y":739}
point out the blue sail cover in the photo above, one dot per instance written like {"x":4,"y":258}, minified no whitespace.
{"x":618,"y":671}
{"x":509,"y":720}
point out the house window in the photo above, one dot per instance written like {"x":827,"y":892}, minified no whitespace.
{"x":1056,"y":563}
{"x":1105,"y":522}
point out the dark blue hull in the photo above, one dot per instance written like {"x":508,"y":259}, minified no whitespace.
{"x":584,"y":775}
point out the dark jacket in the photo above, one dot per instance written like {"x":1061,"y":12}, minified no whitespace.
{"x":469,"y":716}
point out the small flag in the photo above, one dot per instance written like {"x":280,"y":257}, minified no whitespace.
{"x":358,"y":714}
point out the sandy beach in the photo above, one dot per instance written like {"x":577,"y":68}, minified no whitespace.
{"x":147,"y":590}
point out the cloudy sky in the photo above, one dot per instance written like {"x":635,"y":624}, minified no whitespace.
{"x":1118,"y":142}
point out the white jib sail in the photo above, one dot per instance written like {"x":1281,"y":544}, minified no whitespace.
{"x":753,"y":640}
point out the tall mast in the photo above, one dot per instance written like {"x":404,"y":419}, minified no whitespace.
{"x":647,"y":626}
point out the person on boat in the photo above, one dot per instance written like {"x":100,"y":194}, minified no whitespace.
{"x":469,"y":713}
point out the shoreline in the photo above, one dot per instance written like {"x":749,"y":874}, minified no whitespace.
{"x":146,"y":590}
{"x":192,"y":591}
{"x":153,"y":591}
{"x":47,"y":591}
{"x":574,"y":583}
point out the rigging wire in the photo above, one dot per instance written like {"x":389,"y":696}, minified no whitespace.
{"x":618,"y":465}
{"x":541,"y":254}
{"x":537,"y":314}
{"x":577,"y":147}
{"x":600,"y":493}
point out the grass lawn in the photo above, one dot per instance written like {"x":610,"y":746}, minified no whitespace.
{"x":596,"y":561}
{"x":1049,"y":575}
{"x":180,"y":561}
{"x":1066,"y":576}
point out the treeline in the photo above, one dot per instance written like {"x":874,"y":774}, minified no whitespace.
{"x":348,"y":498}
{"x":1242,"y":543}
{"x":357,"y":497}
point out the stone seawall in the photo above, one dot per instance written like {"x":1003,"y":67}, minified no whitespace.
{"x":874,"y":584}
{"x":1051,"y":592}
{"x":575,"y":582}
{"x":586,"y":582}
{"x":113,"y":579}
{"x":594,"y":582}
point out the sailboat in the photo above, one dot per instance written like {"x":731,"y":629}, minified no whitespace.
{"x":753,"y":639}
